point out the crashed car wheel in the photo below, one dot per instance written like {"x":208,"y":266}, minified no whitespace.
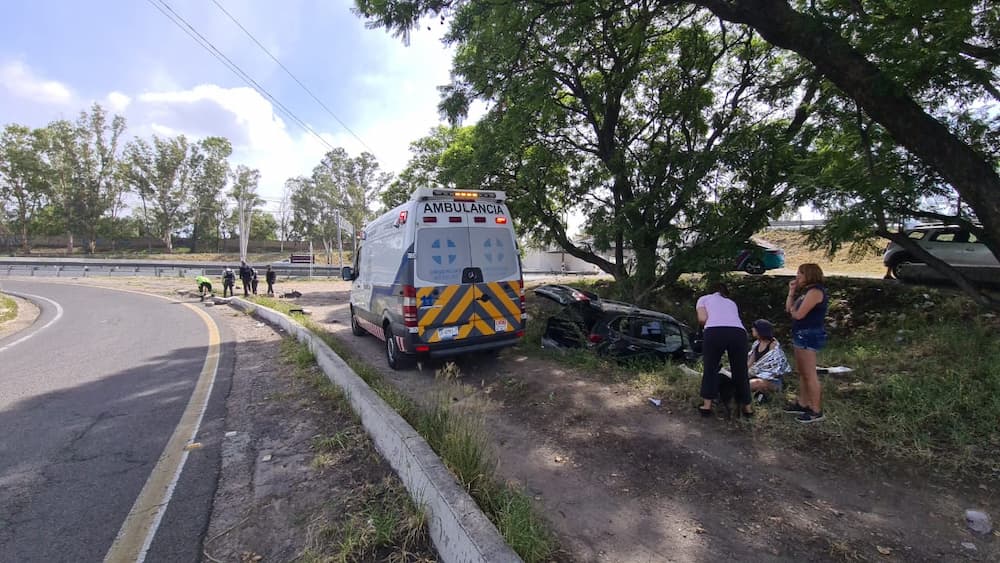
{"x":754,"y":267}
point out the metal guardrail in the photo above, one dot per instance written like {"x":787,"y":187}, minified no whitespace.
{"x":122,"y":268}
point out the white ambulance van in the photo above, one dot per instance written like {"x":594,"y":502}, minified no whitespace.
{"x":439,"y":275}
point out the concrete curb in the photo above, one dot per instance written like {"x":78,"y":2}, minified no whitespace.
{"x":460,"y":531}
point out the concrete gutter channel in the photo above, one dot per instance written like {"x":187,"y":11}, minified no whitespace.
{"x":459,"y":529}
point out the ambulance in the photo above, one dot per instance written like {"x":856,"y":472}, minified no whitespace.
{"x":439,"y":275}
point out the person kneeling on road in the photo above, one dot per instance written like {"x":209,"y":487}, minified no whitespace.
{"x":204,"y":286}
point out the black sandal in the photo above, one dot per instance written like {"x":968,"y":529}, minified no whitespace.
{"x":705,"y":412}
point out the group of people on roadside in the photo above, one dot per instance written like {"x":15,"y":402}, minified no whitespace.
{"x":248,"y":277}
{"x":764,"y":367}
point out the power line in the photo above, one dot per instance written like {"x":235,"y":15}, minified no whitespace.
{"x":193,"y":33}
{"x":289,"y":73}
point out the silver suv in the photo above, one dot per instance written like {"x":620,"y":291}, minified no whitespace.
{"x":954,"y":245}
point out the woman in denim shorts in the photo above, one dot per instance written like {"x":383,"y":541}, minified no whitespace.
{"x":808,"y":312}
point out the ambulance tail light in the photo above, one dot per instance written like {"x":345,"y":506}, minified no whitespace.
{"x":501,"y":220}
{"x":409,"y":306}
{"x":454,"y":219}
{"x":479,"y":219}
{"x":430,"y":219}
{"x":422,"y":348}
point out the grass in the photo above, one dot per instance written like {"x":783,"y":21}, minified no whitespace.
{"x":456,"y":434}
{"x":925,"y":391}
{"x":8,"y":308}
{"x":386,"y":523}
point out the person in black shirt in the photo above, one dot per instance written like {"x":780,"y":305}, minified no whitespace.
{"x":245,"y":275}
{"x":253,"y":280}
{"x":228,"y":281}
{"x":270,"y":277}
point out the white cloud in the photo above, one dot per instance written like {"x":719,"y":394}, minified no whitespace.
{"x":261,"y":139}
{"x":19,"y":80}
{"x":117,"y":102}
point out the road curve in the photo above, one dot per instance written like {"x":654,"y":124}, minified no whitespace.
{"x":90,"y":395}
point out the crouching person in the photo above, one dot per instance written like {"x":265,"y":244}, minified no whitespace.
{"x":204,"y":286}
{"x":766,"y":363}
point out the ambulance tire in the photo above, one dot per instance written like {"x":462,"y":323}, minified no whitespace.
{"x":356,"y":329}
{"x":397,"y":360}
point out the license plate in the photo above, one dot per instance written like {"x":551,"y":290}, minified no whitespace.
{"x":500,"y":325}
{"x":447,"y":332}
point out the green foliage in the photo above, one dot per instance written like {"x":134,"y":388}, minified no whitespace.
{"x":161,"y":175}
{"x":646,"y":119}
{"x":23,"y":185}
{"x":8,"y":308}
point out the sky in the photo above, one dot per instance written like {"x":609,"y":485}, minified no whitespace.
{"x":57,"y":57}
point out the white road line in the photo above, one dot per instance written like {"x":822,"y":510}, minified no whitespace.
{"x":28,"y":296}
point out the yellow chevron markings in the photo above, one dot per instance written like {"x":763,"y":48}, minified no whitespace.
{"x":428,"y":317}
{"x":460,"y":308}
{"x":508,"y":303}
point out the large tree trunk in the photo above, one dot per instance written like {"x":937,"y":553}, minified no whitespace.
{"x":69,"y":242}
{"x":969,"y":172}
{"x":194,"y":237}
{"x":168,"y":241}
{"x":24,"y":237}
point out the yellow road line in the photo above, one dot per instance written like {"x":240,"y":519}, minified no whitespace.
{"x":139,"y":528}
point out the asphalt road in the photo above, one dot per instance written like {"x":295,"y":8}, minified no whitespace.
{"x":90,"y":396}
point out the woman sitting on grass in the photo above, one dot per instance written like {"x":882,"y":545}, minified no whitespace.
{"x":766,"y":362}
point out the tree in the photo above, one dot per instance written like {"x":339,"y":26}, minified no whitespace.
{"x":96,"y":185}
{"x":22,"y":182}
{"x":365,"y":181}
{"x":917,"y":69}
{"x":209,"y":174}
{"x":285,"y":213}
{"x":58,"y":148}
{"x":161,"y":174}
{"x":628,"y":113}
{"x":949,"y":48}
{"x":244,"y":194}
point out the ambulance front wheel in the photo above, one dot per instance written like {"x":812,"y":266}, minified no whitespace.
{"x":396,"y":359}
{"x":356,"y":329}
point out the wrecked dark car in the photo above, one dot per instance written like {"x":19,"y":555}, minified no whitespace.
{"x":614,"y":329}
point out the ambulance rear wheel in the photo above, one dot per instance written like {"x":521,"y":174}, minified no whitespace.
{"x":356,"y":329}
{"x":393,"y":356}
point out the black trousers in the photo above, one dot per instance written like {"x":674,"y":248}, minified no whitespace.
{"x":270,"y":288}
{"x":730,"y":340}
{"x":246,"y":286}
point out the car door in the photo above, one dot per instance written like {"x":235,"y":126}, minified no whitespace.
{"x":977,"y":254}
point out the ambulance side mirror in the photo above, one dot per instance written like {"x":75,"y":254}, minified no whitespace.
{"x":347,"y":273}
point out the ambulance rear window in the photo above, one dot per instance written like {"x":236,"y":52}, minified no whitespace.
{"x":493,"y":251}
{"x":442,"y":254}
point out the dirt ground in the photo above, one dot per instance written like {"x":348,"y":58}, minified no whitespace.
{"x":621,"y":480}
{"x":275,"y":499}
